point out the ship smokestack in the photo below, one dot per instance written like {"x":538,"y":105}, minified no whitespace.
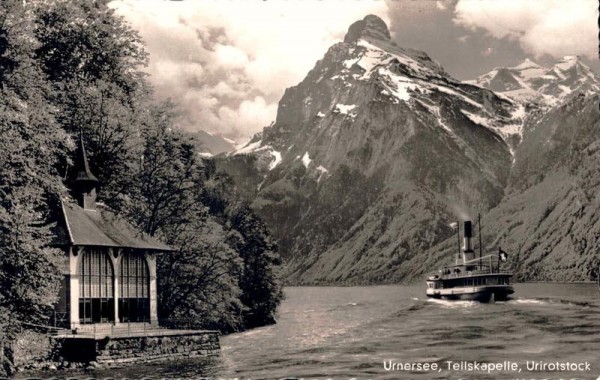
{"x":468,"y":228}
{"x":468,"y":246}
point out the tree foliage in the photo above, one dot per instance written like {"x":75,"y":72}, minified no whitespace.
{"x":31,"y":145}
{"x":259,"y":279}
{"x":216,"y":277}
{"x":261,"y":287}
{"x":92,"y":59}
{"x":72,"y":66}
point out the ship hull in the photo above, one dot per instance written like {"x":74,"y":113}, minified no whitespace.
{"x":473,"y":293}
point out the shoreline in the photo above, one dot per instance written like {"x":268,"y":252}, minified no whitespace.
{"x":418,"y":283}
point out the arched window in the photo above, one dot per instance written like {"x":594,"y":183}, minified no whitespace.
{"x":134,"y":289}
{"x":96,"y":287}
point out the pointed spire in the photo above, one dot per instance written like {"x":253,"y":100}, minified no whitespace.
{"x":84,"y":183}
{"x":84,"y":174}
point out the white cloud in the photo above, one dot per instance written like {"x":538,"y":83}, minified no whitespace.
{"x":554,"y":27}
{"x":230,"y":56}
{"x":238,"y":53}
{"x":255,"y":112}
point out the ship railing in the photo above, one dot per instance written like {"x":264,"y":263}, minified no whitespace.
{"x":461,"y":270}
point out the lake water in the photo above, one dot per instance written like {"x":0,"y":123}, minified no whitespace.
{"x":356,"y":332}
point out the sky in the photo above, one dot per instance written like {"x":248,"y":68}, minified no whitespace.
{"x":226,"y":64}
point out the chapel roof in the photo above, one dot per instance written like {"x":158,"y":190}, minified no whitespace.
{"x":102,"y":227}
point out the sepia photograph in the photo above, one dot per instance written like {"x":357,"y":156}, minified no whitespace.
{"x":300,"y":189}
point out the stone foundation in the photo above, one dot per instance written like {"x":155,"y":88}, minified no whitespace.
{"x":168,"y":344}
{"x":30,"y":348}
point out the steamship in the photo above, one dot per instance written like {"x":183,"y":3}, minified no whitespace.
{"x":472,"y":278}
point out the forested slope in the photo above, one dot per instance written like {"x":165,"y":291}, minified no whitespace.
{"x":71,"y":68}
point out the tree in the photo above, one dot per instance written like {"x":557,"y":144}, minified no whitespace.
{"x":260,"y":279}
{"x":31,"y":145}
{"x":198,"y":281}
{"x":93,"y":59}
{"x":70,"y":67}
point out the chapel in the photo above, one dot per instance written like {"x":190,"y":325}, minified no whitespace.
{"x":111,"y":272}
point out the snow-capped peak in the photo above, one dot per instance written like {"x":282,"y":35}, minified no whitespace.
{"x":549,"y":86}
{"x":567,"y":62}
{"x":528,"y":64}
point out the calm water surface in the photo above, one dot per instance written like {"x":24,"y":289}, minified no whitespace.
{"x":343,"y":333}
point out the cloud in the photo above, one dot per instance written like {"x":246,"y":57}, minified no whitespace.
{"x":554,"y":27}
{"x":253,"y":112}
{"x":228,"y":63}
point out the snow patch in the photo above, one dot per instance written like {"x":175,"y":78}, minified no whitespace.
{"x":567,"y":62}
{"x":400,"y":85}
{"x":529,"y":69}
{"x":565,"y":90}
{"x":248,"y":148}
{"x":255,"y":147}
{"x":462,"y":96}
{"x":277,"y":159}
{"x":306,"y":159}
{"x":478,"y":119}
{"x":504,"y":131}
{"x":519,"y":113}
{"x":205,"y":154}
{"x":322,"y":169}
{"x":344,"y":109}
{"x":375,"y":56}
{"x":512,"y":129}
{"x":435,"y":111}
{"x":350,"y":62}
{"x":320,"y":114}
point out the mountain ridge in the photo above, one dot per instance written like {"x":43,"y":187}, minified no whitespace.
{"x":374,"y":153}
{"x":547,"y":86}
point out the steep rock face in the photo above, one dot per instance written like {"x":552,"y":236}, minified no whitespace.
{"x":371,"y":156}
{"x":549,"y":219}
{"x":369,"y":27}
{"x":550,"y":216}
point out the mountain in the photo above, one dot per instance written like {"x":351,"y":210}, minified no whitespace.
{"x":371,"y":157}
{"x":211,"y":145}
{"x":550,"y":212}
{"x":378,"y":150}
{"x":549,"y":86}
{"x":548,"y":218}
